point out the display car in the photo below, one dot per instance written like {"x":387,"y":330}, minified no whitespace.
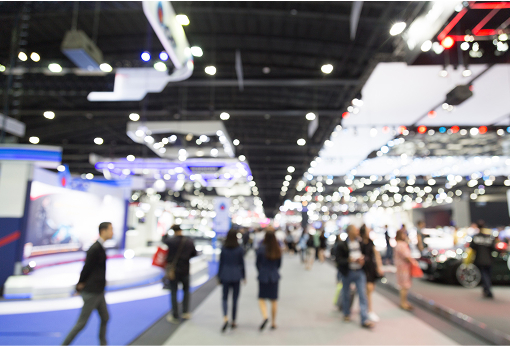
{"x":447,"y":266}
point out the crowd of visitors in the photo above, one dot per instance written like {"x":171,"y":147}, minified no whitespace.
{"x":358,"y":262}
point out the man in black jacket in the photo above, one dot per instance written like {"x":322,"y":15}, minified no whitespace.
{"x":91,"y":285}
{"x":180,"y":250}
{"x":350,"y":260}
{"x":484,"y":244}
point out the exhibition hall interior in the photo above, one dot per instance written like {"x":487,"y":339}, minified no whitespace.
{"x":254,"y":172}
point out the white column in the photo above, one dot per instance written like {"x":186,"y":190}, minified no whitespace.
{"x":13,"y":187}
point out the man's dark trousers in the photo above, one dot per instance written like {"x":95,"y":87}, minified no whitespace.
{"x":91,"y":301}
{"x":184,"y":279}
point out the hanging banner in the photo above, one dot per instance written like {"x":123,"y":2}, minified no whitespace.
{"x":222,"y":223}
{"x":161,"y":16}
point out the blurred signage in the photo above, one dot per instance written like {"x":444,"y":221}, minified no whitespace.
{"x":161,"y":16}
{"x":204,"y":170}
{"x":12,"y":126}
{"x":40,"y":155}
{"x":222,"y":221}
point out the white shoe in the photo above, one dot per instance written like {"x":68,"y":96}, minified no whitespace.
{"x":373,"y":317}
{"x":170,"y":318}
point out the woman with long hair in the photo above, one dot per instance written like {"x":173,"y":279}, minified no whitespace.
{"x":372,"y":267}
{"x":269,"y":259}
{"x":230,"y":274}
{"x":403,"y":262}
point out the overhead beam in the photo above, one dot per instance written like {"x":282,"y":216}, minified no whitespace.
{"x":199,"y":113}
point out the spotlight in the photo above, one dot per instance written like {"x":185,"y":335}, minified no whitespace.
{"x":224,"y":116}
{"x":55,"y":68}
{"x":327,"y":69}
{"x":163,"y":56}
{"x":49,"y":115}
{"x":301,"y":142}
{"x":196,"y":51}
{"x":22,"y":56}
{"x":35,"y":57}
{"x":447,"y":42}
{"x":34,"y":140}
{"x":210,"y":70}
{"x":145,"y":56}
{"x":397,"y":28}
{"x":310,"y":116}
{"x":105,"y":67}
{"x":98,"y":140}
{"x":134,"y":117}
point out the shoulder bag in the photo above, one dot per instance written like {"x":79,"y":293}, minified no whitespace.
{"x":170,"y":267}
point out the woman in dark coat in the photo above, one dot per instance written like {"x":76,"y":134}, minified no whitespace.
{"x":269,"y":259}
{"x":230,"y":274}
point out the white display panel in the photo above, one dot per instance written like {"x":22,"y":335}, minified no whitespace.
{"x":61,"y":219}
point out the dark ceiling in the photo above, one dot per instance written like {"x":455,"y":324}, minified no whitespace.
{"x":293,"y":39}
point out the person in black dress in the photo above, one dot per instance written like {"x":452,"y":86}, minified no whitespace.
{"x":372,"y":267}
{"x":230,"y":274}
{"x":269,"y":259}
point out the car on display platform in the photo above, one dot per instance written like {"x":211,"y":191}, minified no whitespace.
{"x":447,"y":266}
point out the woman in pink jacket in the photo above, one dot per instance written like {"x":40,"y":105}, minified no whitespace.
{"x":403,"y":262}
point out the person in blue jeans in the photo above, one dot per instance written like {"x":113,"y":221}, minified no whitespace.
{"x":350,"y":260}
{"x":230,"y":274}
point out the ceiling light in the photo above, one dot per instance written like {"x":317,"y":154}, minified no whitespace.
{"x":105,"y":67}
{"x":35,"y":57}
{"x":474,"y":131}
{"x":426,"y":46}
{"x":130,"y":158}
{"x":224,"y":116}
{"x":476,"y":47}
{"x":160,"y":66}
{"x":373,"y":132}
{"x":22,"y":56}
{"x":288,"y":177}
{"x":502,"y":46}
{"x":55,"y":68}
{"x":210,"y":70}
{"x":182,"y":19}
{"x":242,"y":157}
{"x":301,"y":141}
{"x":214,"y":152}
{"x":357,"y":102}
{"x":61,"y":168}
{"x":327,"y":69}
{"x":140,"y":133}
{"x":34,"y":140}
{"x":310,"y":116}
{"x":266,"y":70}
{"x":145,"y":56}
{"x":503,"y":37}
{"x":466,"y":73}
{"x":464,"y":46}
{"x":2,"y":68}
{"x":443,"y":73}
{"x":163,"y":56}
{"x":291,"y":169}
{"x":437,"y":48}
{"x":49,"y":115}
{"x":236,"y":142}
{"x":89,"y":176}
{"x":98,"y":140}
{"x":197,"y":51}
{"x":397,"y":28}
{"x":149,"y":139}
{"x":134,"y":117}
{"x":447,"y":42}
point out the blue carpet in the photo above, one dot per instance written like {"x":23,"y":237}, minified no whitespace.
{"x":127,"y":321}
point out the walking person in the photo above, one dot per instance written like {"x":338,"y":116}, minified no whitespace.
{"x":403,"y":263}
{"x":180,"y":250}
{"x":322,"y":246}
{"x":350,"y":260}
{"x":372,"y":268}
{"x":302,"y":245}
{"x":269,"y":260}
{"x":91,"y":286}
{"x":389,"y":250}
{"x":230,"y":273}
{"x":484,"y":244}
{"x":310,"y":252}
